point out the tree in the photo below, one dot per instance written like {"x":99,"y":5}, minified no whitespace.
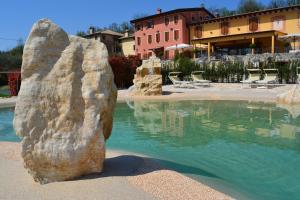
{"x":293,"y":2}
{"x":140,"y":15}
{"x":222,"y":12}
{"x":277,"y":3}
{"x":80,"y":33}
{"x":126,"y":26}
{"x":11,"y":59}
{"x":246,"y":6}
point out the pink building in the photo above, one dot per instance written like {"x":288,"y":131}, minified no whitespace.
{"x":156,"y":32}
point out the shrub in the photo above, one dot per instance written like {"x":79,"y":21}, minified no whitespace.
{"x":124,"y":69}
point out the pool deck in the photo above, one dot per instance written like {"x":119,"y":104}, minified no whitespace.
{"x":8,"y":102}
{"x":217,"y":91}
{"x":126,"y":176}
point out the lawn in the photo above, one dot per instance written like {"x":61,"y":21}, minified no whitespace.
{"x":4,"y":91}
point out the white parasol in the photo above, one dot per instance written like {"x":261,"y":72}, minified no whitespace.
{"x":290,"y":38}
{"x":179,"y":46}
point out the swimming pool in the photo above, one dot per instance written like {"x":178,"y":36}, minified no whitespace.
{"x":247,"y":150}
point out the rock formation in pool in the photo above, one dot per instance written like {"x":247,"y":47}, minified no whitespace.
{"x":65,"y":106}
{"x":148,"y":79}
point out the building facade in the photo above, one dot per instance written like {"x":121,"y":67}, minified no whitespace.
{"x":109,"y":38}
{"x":255,"y":32}
{"x":127,"y":44}
{"x":156,"y":32}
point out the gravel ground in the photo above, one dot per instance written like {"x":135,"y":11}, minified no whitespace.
{"x":125,"y":176}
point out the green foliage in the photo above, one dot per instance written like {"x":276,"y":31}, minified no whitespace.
{"x":80,"y":33}
{"x":4,"y":95}
{"x":11,"y":59}
{"x":252,"y":46}
{"x":140,"y":15}
{"x":222,"y":11}
{"x":246,"y":6}
{"x":277,"y":3}
{"x":228,"y":72}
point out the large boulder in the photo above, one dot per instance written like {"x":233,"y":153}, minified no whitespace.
{"x":65,"y":106}
{"x":148,"y":79}
{"x":290,"y":101}
{"x":291,"y":97}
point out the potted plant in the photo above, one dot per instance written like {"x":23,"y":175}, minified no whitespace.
{"x":252,"y":46}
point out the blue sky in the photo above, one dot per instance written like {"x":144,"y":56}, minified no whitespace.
{"x":17,"y":16}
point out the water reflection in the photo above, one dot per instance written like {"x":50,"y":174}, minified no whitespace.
{"x":253,"y":148}
{"x":179,"y":119}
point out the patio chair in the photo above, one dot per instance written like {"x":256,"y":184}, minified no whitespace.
{"x":173,"y":76}
{"x":271,"y":77}
{"x":197,"y":77}
{"x":254,"y":75}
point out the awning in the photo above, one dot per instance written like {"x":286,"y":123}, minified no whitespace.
{"x":242,"y":36}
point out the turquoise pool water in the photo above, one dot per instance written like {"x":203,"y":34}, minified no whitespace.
{"x":249,"y":151}
{"x":7,"y":132}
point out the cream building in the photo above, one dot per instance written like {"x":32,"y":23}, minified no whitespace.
{"x":127,"y":44}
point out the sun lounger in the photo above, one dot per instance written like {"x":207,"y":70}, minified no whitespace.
{"x":197,"y":77}
{"x":298,"y":74}
{"x":173,"y":76}
{"x":271,"y":77}
{"x":254,"y":75}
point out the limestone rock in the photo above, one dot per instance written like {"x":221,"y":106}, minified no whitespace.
{"x":65,"y":106}
{"x":290,"y":101}
{"x":291,"y":97}
{"x":148,"y":79}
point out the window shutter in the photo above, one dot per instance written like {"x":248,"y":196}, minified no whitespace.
{"x":253,"y":24}
{"x":224,"y":28}
{"x":198,"y":32}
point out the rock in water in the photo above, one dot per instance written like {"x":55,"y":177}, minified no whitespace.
{"x":65,"y":106}
{"x":148,"y":79}
{"x":291,"y":97}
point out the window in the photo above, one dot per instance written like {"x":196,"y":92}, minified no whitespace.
{"x":133,"y":47}
{"x":167,"y":36}
{"x":138,"y":41}
{"x":176,"y":19}
{"x":253,"y":24}
{"x":167,"y":21}
{"x":145,"y":56}
{"x":157,"y":37}
{"x":198,"y":31}
{"x":193,"y":18}
{"x":138,"y":27}
{"x":149,"y":39}
{"x":278,"y":23}
{"x":150,"y":24}
{"x":224,"y":28}
{"x":176,"y":34}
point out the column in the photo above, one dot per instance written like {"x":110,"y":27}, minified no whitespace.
{"x":194,"y":51}
{"x":253,"y":43}
{"x":213,"y":49}
{"x":208,"y":50}
{"x":273,"y":44}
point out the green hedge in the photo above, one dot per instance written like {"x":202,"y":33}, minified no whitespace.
{"x":229,"y":72}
